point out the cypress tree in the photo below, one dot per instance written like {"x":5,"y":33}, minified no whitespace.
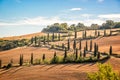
{"x":48,"y":36}
{"x":80,"y":53}
{"x":80,"y":47}
{"x":0,"y":63}
{"x":43,"y":58}
{"x":110,"y":32}
{"x":44,"y":41}
{"x":85,"y":34}
{"x":75,"y":34}
{"x":95,"y":32}
{"x":68,"y":44}
{"x":110,"y":51}
{"x":90,"y":45}
{"x":95,"y":49}
{"x":63,"y":46}
{"x":86,"y":46}
{"x":74,"y":44}
{"x":39,"y":42}
{"x":59,"y":36}
{"x":21,"y":60}
{"x":54,"y":58}
{"x":98,"y":55}
{"x":35,"y":40}
{"x":53,"y":36}
{"x":98,"y":33}
{"x":31,"y":40}
{"x":65,"y":55}
{"x":31,"y":58}
{"x":105,"y":32}
{"x":84,"y":54}
{"x":76,"y":55}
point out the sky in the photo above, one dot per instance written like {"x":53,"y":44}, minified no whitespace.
{"x":19,"y":17}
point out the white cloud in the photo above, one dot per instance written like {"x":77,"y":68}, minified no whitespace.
{"x":110,"y":16}
{"x":75,"y":9}
{"x":70,"y":19}
{"x":100,"y":0}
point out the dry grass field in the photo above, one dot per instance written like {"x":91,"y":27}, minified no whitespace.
{"x":55,"y":71}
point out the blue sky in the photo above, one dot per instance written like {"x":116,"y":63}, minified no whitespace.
{"x":39,"y":13}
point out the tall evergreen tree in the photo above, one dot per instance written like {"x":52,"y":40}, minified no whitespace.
{"x":84,"y":54}
{"x":98,"y":55}
{"x":95,"y":49}
{"x":110,"y":32}
{"x":48,"y":37}
{"x":54,"y":58}
{"x":43,"y":58}
{"x":90,"y":45}
{"x":0,"y":63}
{"x":39,"y":44}
{"x":74,"y":44}
{"x":95,"y":32}
{"x":75,"y":33}
{"x":86,"y":46}
{"x":53,"y":36}
{"x":110,"y":51}
{"x":80,"y":45}
{"x":44,"y":41}
{"x":76,"y":54}
{"x":31,"y":58}
{"x":21,"y":60}
{"x":32,"y":40}
{"x":80,"y":53}
{"x":59,"y":36}
{"x":105,"y":32}
{"x":63,"y":46}
{"x":68,"y":44}
{"x":35,"y":40}
{"x":98,"y":33}
{"x":65,"y":55}
{"x":85,"y":33}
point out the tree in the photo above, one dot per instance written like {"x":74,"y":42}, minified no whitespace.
{"x":105,"y":72}
{"x":74,"y":44}
{"x":53,"y":36}
{"x":31,"y":58}
{"x":98,"y":33}
{"x":68,"y":44}
{"x":44,"y":41}
{"x":21,"y":60}
{"x":105,"y":32}
{"x":98,"y":55}
{"x":31,"y":40}
{"x":80,"y":46}
{"x":95,"y":49}
{"x":80,"y":53}
{"x":75,"y":33}
{"x":90,"y":45}
{"x":84,"y":54}
{"x":48,"y":36}
{"x":43,"y":58}
{"x":0,"y":63}
{"x":54,"y":58}
{"x":59,"y":36}
{"x":63,"y":46}
{"x":85,"y":34}
{"x":110,"y":51}
{"x":65,"y":55}
{"x":95,"y":32}
{"x":35,"y":40}
{"x":76,"y":54}
{"x":86,"y":46}
{"x":39,"y":44}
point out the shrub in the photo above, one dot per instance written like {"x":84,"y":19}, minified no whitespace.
{"x":105,"y":72}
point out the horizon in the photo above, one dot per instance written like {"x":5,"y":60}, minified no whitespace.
{"x":32,"y":16}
